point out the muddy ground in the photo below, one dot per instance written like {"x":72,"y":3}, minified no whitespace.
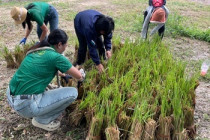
{"x":13,"y":126}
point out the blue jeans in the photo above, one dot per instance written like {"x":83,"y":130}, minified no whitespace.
{"x":52,"y":18}
{"x":44,"y":107}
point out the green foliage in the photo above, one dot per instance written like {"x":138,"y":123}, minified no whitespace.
{"x":19,"y":3}
{"x":14,"y":58}
{"x":145,"y":75}
{"x":70,"y":16}
{"x":175,"y":26}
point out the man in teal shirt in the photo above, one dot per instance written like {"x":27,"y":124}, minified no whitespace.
{"x":41,"y":13}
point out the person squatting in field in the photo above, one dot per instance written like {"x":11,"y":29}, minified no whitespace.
{"x":26,"y":92}
{"x":157,"y":14}
{"x":41,"y":13}
{"x":90,"y":26}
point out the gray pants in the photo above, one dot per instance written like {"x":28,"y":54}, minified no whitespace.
{"x":145,"y":27}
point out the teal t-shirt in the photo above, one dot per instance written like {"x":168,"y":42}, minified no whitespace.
{"x":38,"y":12}
{"x":37,"y":70}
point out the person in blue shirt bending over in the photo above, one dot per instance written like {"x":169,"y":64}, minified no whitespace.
{"x":90,"y":26}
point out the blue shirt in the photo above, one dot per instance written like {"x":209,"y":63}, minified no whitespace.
{"x":85,"y":25}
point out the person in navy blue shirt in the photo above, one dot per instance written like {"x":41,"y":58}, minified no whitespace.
{"x":90,"y":26}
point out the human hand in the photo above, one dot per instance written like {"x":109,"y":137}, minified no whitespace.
{"x":77,"y":66}
{"x":109,"y":54}
{"x":100,"y":68}
{"x":23,"y":41}
{"x":82,"y":73}
{"x":66,"y":78}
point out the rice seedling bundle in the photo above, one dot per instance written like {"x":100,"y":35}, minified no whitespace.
{"x":76,"y":116}
{"x":9,"y":58}
{"x":144,"y":94}
{"x":14,"y":58}
{"x":149,"y":132}
{"x":112,"y":133}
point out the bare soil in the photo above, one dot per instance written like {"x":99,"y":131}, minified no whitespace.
{"x":15,"y":127}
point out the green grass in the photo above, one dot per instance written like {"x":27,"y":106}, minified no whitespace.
{"x":62,"y":5}
{"x":19,"y":3}
{"x":70,"y":15}
{"x":175,"y":26}
{"x":127,"y":2}
{"x":129,"y":22}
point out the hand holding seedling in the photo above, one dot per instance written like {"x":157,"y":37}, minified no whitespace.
{"x":108,"y":54}
{"x":83,"y":75}
{"x":66,"y":78}
{"x":100,"y":68}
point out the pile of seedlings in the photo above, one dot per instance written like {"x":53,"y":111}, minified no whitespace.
{"x":16,"y":56}
{"x":144,"y":94}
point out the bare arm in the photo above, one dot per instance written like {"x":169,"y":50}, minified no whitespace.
{"x":44,"y":32}
{"x":75,"y":73}
{"x":28,"y":31}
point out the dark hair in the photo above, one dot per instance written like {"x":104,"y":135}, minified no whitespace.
{"x":57,"y":36}
{"x":54,"y":38}
{"x":28,"y":17}
{"x":104,"y":23}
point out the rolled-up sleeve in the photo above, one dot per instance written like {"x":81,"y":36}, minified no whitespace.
{"x":108,"y":42}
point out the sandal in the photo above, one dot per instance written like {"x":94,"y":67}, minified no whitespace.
{"x":49,"y":127}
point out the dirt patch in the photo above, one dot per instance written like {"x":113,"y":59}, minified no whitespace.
{"x":15,"y":127}
{"x":207,"y":2}
{"x":202,"y":110}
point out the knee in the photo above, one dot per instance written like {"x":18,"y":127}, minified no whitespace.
{"x":73,"y":93}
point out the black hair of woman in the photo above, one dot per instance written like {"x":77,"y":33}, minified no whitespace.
{"x":28,"y":18}
{"x":55,"y":37}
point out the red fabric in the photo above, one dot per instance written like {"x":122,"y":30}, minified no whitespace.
{"x":157,"y":3}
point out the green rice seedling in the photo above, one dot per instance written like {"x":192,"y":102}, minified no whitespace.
{"x":142,"y":85}
{"x":116,"y":44}
{"x":9,"y":58}
{"x":178,"y":115}
{"x":137,"y":126}
{"x":94,"y":132}
{"x":164,"y":105}
{"x":112,"y":110}
{"x":111,"y":70}
{"x":89,"y":101}
{"x":19,"y":55}
{"x":176,"y":28}
{"x":29,"y":46}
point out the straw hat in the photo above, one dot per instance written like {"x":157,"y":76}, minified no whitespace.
{"x":158,"y":16}
{"x":18,"y":14}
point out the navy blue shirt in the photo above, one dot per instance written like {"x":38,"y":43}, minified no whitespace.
{"x":85,"y":25}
